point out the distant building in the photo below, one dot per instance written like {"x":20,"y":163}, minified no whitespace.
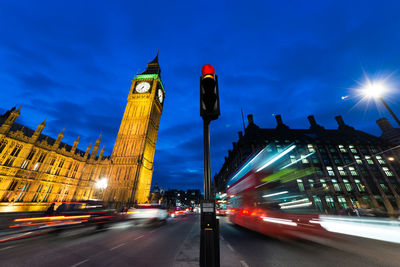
{"x":36,"y":170}
{"x":352,"y":167}
{"x":175,"y":197}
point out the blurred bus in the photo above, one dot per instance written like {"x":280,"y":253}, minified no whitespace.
{"x":263,"y":196}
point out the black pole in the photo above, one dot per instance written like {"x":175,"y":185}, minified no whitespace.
{"x":207,"y":167}
{"x":390,"y":111}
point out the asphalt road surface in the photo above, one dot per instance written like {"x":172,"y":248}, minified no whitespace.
{"x":125,"y":245}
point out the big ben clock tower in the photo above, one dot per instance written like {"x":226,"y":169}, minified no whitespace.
{"x":132,"y":158}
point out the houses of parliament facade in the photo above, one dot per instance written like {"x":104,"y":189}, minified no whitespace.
{"x":36,"y":170}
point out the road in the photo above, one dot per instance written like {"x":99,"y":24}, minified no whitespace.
{"x":164,"y":245}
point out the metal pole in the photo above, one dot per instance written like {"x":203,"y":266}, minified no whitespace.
{"x":390,"y":111}
{"x":207,"y":168}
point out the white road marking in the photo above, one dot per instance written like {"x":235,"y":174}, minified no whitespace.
{"x":138,"y":237}
{"x":222,"y":238}
{"x":231,"y":248}
{"x":120,"y":245}
{"x":6,"y":248}
{"x":79,"y":263}
{"x":244,"y":264}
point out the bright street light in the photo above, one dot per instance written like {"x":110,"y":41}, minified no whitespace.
{"x":102,"y":183}
{"x":375,"y":89}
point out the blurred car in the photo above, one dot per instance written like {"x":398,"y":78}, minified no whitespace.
{"x":69,"y":215}
{"x":178,"y":211}
{"x":147,"y":213}
{"x":221,"y":212}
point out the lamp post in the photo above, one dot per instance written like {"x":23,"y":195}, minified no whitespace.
{"x":375,"y":90}
{"x":101,"y":184}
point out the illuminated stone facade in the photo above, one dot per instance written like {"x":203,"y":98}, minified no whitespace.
{"x":36,"y":170}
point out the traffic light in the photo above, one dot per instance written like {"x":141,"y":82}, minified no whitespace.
{"x":209,"y":98}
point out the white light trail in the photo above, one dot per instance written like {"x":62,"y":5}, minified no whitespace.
{"x":294,"y":201}
{"x":279,"y":221}
{"x":296,"y":206}
{"x":276,"y":194}
{"x":301,"y":158}
{"x":277,"y":157}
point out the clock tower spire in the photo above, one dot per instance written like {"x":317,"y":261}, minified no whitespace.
{"x":133,"y":154}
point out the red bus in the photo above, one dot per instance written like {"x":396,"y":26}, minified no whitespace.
{"x":264,"y":197}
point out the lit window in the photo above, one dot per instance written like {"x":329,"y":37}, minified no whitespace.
{"x":24,"y":164}
{"x":369,"y":160}
{"x":380,"y":160}
{"x":387,"y":171}
{"x":292,"y":158}
{"x":330,"y":171}
{"x":353,"y":171}
{"x":342,"y":149}
{"x":347,"y":185}
{"x":323,"y":182}
{"x":358,"y":160}
{"x":330,"y":202}
{"x":304,"y":159}
{"x":300,"y":184}
{"x":336,"y":185}
{"x":360,"y":186}
{"x":342,"y":172}
{"x":311,"y":182}
{"x":310,"y":148}
{"x":342,"y":202}
{"x":352,"y":149}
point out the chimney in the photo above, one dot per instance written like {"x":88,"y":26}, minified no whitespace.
{"x":240,"y":134}
{"x":279,"y":122}
{"x":250,"y":119}
{"x":342,"y":125}
{"x":384,"y":124}
{"x":313,"y":123}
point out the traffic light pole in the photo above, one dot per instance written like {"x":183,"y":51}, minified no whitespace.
{"x":209,"y":225}
{"x":207,"y":167}
{"x":209,"y":229}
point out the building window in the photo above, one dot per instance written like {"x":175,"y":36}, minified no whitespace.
{"x":336,"y":185}
{"x":353,"y":171}
{"x":380,"y":160}
{"x":330,"y":202}
{"x":342,"y":172}
{"x":384,"y":188}
{"x":358,"y":160}
{"x":3,"y":145}
{"x":342,"y":202}
{"x":373,"y":149}
{"x":352,"y":149}
{"x":330,"y":171}
{"x":311,"y":182}
{"x":292,"y":158}
{"x":342,"y":149}
{"x":304,"y":159}
{"x":323,"y":182}
{"x":12,"y":185}
{"x":387,"y":171}
{"x":369,"y":160}
{"x":300,"y":184}
{"x":359,"y":185}
{"x":310,"y":148}
{"x":347,"y":185}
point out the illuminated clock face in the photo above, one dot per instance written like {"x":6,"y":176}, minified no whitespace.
{"x":143,"y":87}
{"x":160,"y":95}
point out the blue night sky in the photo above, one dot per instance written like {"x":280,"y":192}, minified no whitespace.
{"x":73,"y":62}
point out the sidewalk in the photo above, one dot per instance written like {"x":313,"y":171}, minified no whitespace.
{"x":189,"y":252}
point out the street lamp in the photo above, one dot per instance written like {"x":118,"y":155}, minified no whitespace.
{"x":101,"y":184}
{"x":375,"y":90}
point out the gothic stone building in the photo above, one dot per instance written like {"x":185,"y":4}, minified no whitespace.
{"x":36,"y":170}
{"x":351,"y":166}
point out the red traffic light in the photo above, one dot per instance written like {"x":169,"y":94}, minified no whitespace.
{"x":208,"y":69}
